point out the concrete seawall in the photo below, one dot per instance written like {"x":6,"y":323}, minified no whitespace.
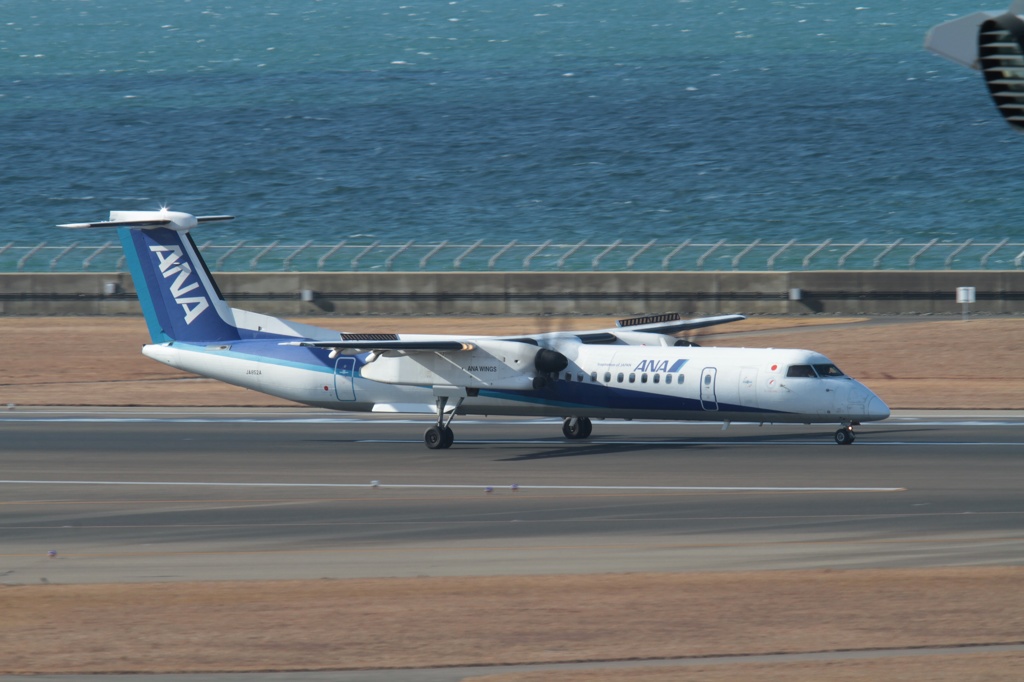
{"x":538,"y":293}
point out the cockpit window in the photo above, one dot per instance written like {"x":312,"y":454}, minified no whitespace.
{"x":813,"y":371}
{"x":828,"y":371}
{"x":800,"y":371}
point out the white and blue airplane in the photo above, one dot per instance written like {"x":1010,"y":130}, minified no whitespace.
{"x":637,"y":370}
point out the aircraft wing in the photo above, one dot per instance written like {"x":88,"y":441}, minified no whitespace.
{"x":669,"y":323}
{"x":511,"y":363}
{"x":385,"y":342}
{"x":653,"y":324}
{"x":672,"y":324}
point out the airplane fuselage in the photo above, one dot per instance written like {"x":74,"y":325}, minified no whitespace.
{"x":627,"y":382}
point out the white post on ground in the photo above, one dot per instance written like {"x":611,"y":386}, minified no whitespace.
{"x":965,"y":296}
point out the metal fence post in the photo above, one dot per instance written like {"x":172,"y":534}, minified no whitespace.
{"x":672,"y":254}
{"x":815,"y":252}
{"x":596,"y":263}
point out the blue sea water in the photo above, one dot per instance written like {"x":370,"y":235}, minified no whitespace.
{"x":502,"y":119}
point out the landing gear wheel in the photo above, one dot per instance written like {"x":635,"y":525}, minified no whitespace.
{"x":438,"y":437}
{"x":575,"y":428}
{"x":844,"y":436}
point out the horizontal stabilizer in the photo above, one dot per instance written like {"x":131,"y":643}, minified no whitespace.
{"x":150,"y":219}
{"x":117,"y":223}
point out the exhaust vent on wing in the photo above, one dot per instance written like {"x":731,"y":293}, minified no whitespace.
{"x":648,"y":319}
{"x":369,"y":337}
{"x":1001,"y":60}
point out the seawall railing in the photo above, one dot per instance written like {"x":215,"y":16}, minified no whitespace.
{"x":855,"y":292}
{"x":367,"y":255}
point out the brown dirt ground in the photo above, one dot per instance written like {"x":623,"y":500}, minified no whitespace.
{"x":910,"y":362}
{"x":289,"y":625}
{"x":426,"y":622}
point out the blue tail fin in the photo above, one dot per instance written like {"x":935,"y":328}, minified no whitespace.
{"x":179,"y":298}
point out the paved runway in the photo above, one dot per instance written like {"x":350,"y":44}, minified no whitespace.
{"x":133,"y":495}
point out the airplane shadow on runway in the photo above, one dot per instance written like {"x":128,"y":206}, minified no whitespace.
{"x":618,"y":444}
{"x":705,"y":442}
{"x":607,"y":447}
{"x":589,"y":450}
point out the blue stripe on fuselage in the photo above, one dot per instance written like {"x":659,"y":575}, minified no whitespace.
{"x":568,"y":395}
{"x":572,"y":395}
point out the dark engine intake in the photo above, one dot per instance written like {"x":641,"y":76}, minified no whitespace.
{"x":550,"y":361}
{"x":1001,"y":60}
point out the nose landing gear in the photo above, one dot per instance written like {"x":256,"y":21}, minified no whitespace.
{"x":845,"y":435}
{"x":575,"y":428}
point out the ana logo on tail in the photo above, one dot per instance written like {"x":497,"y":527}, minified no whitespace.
{"x":172,"y":266}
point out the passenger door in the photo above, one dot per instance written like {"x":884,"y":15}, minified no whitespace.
{"x":344,"y":372}
{"x":708,"y":398}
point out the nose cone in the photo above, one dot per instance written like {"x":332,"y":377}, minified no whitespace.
{"x":876,"y":409}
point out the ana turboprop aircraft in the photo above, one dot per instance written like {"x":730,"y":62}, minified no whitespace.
{"x":637,"y":370}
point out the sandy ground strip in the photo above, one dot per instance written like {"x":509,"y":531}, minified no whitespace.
{"x":427,"y":622}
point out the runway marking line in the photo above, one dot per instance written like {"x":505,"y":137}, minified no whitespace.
{"x":476,"y":520}
{"x":65,"y":556}
{"x":725,"y":440}
{"x":482,"y":486}
{"x":502,"y":492}
{"x":531,"y":521}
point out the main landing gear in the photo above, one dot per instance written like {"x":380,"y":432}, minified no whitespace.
{"x":575,"y":428}
{"x":440,"y":436}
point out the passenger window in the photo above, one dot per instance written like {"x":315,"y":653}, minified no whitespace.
{"x":607,"y":377}
{"x":800,"y":371}
{"x":707,"y":379}
{"x":643,"y":378}
{"x":579,"y":377}
{"x":681,"y":377}
{"x":632,"y":378}
{"x":828,"y":371}
{"x":657,"y":378}
{"x":593,"y":377}
{"x":620,"y":377}
{"x":668,"y":378}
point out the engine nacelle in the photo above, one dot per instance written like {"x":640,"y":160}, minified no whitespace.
{"x":645,"y":339}
{"x":550,"y":361}
{"x":492,"y":363}
{"x":993,"y":43}
{"x":1001,"y":60}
